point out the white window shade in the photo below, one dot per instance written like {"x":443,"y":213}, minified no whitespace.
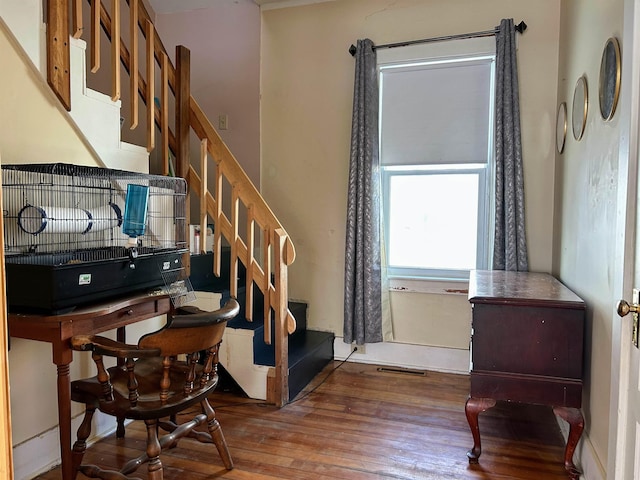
{"x":436,"y":113}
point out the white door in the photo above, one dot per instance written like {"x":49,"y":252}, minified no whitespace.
{"x":624,"y":442}
{"x":628,"y":441}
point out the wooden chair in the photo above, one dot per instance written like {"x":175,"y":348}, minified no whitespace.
{"x":153,"y":384}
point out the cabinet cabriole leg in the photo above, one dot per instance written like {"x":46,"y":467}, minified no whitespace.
{"x":573,"y":416}
{"x":472,"y":409}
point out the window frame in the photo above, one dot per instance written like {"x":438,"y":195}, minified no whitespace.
{"x":484,"y":170}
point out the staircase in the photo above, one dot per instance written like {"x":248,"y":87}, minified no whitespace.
{"x":309,"y":350}
{"x":267,"y":349}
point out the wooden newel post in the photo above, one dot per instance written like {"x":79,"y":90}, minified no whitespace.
{"x":281,"y":308}
{"x":183,"y":95}
{"x":183,"y":98}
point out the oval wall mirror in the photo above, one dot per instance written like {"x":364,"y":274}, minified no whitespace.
{"x":580,"y":107}
{"x":609,"y":88}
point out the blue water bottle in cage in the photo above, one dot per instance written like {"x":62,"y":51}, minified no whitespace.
{"x":135,"y":213}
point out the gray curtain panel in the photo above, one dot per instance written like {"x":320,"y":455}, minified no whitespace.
{"x":510,"y":245}
{"x":362,"y":291}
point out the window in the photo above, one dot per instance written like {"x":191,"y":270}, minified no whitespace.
{"x":436,"y":151}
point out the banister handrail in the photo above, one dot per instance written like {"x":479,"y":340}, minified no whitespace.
{"x":271,"y":278}
{"x":219,"y":150}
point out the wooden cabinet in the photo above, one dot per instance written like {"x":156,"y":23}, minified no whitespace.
{"x":526,"y":346}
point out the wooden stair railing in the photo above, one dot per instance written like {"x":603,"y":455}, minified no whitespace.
{"x":275,"y":251}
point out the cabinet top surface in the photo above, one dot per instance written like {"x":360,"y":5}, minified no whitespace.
{"x":525,"y":288}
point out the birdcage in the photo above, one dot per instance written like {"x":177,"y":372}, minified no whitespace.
{"x":77,"y":234}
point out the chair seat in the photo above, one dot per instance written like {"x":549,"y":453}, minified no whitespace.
{"x":148,"y":405}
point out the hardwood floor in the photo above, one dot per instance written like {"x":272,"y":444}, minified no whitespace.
{"x":361,"y":424}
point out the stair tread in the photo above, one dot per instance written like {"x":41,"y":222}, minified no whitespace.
{"x":300,"y":346}
{"x":244,"y":324}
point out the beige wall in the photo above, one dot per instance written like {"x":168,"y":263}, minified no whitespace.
{"x":586,"y":201}
{"x":31,"y":130}
{"x":307,"y":88}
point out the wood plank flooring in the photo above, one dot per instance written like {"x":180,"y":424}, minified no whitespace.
{"x":360,"y":424}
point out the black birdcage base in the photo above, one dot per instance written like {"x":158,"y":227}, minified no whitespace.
{"x":57,"y":283}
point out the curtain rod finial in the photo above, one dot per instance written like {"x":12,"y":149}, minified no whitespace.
{"x":521,"y":27}
{"x":352,"y":50}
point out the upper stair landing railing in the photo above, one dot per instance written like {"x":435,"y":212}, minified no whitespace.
{"x":256,"y":237}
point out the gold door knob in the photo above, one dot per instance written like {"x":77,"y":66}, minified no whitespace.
{"x":624,"y":308}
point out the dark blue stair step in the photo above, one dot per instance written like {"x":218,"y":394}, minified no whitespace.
{"x":309,"y":353}
{"x":202,"y":277}
{"x":299,"y":346}
{"x":309,"y":350}
{"x":306,"y":362}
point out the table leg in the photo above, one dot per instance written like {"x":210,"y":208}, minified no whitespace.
{"x":573,"y":416}
{"x":121,"y":336}
{"x":472,"y":409}
{"x":64,"y":420}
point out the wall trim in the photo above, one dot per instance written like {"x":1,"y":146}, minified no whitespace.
{"x":424,"y":357}
{"x":41,"y":453}
{"x":277,"y":4}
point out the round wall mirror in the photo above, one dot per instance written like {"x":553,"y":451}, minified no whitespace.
{"x":609,"y":78}
{"x":561,"y":127}
{"x":580,"y":108}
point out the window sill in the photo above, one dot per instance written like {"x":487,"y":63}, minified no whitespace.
{"x":422,"y":285}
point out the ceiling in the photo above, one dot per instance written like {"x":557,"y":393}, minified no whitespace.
{"x":172,"y":6}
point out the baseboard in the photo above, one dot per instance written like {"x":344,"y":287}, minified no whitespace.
{"x":40,"y":454}
{"x":423,"y":357}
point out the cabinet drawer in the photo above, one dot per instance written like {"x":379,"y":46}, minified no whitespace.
{"x":558,"y":392}
{"x":126,"y":315}
{"x":528,"y":340}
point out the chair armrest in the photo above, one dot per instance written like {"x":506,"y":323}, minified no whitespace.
{"x":190,"y":316}
{"x":111,"y":348}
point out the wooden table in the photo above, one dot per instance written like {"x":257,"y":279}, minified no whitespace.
{"x":58,"y":329}
{"x":526,"y":346}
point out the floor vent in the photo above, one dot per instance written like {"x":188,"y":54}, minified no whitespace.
{"x":404,"y":371}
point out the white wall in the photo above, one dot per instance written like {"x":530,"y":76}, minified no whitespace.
{"x":306,"y":92}
{"x":585,"y":209}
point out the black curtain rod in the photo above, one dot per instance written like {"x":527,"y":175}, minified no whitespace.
{"x":521,"y":27}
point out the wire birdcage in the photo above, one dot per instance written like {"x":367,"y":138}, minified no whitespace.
{"x":61,"y":221}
